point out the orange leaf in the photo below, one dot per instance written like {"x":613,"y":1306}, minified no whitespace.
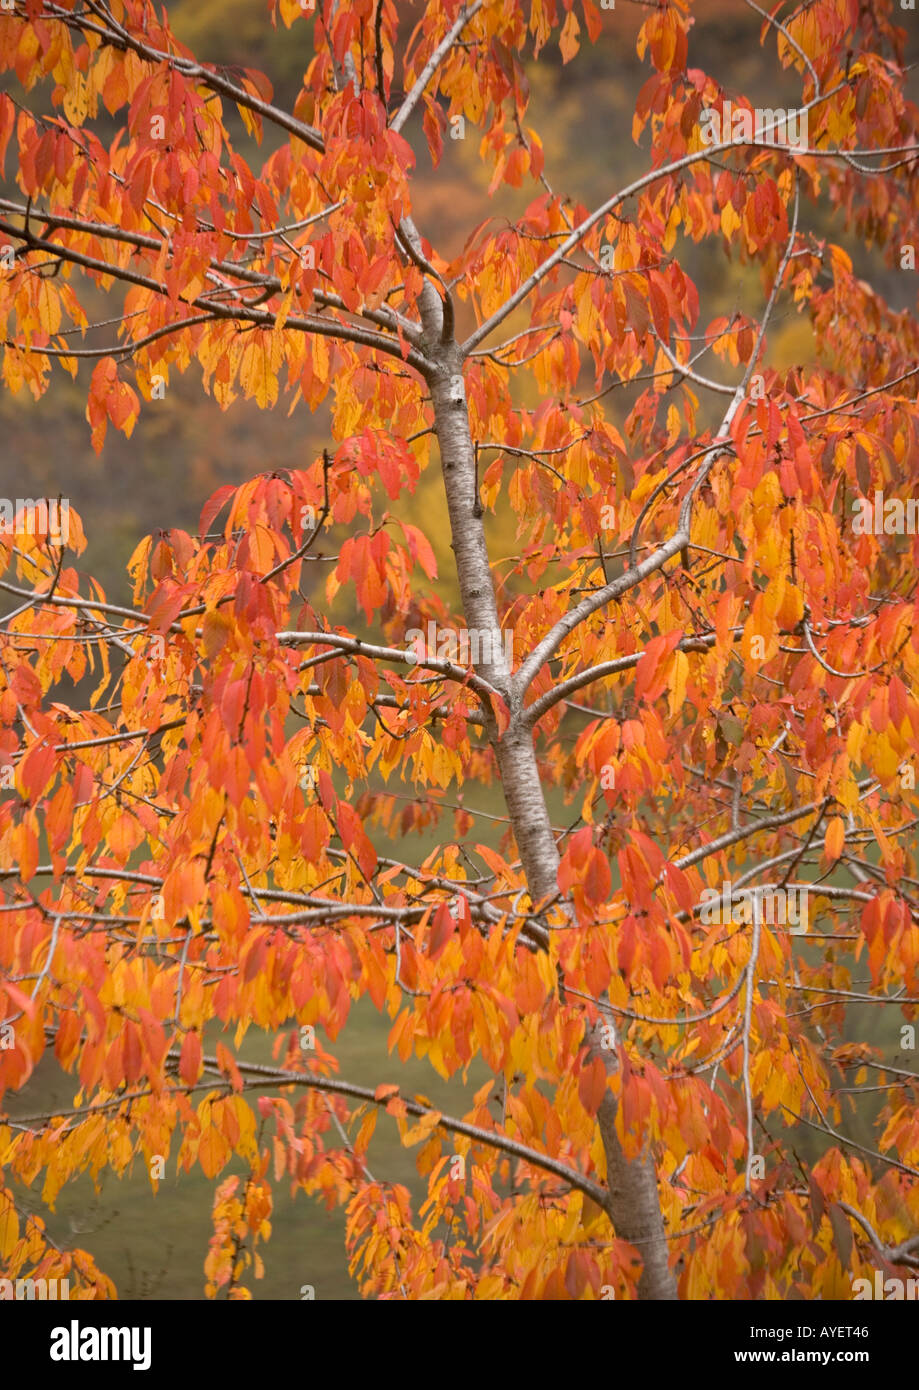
{"x":190,"y":1059}
{"x":592,"y":1085}
{"x":835,"y":838}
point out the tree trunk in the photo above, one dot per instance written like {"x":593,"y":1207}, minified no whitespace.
{"x":633,"y":1205}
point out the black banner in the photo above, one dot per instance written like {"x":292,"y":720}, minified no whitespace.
{"x":156,"y":1340}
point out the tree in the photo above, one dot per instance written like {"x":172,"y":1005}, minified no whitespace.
{"x":184,"y":851}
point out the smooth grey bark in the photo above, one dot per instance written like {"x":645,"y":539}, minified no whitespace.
{"x":633,"y":1202}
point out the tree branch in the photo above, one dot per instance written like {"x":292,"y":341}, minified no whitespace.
{"x":433,"y":63}
{"x":553,"y":639}
{"x":665,"y":171}
{"x":118,"y":37}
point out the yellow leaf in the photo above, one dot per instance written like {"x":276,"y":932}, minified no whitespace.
{"x":48,"y":307}
{"x":365,"y":1132}
{"x":568,"y":39}
{"x":422,"y":1129}
{"x":887,"y":849}
{"x":213,"y":1151}
{"x":855,"y":740}
{"x":215,"y":630}
{"x":252,"y":122}
{"x":256,"y":372}
{"x":840,"y":259}
{"x":9,"y":1228}
{"x":679,"y":671}
{"x":76,"y":99}
{"x":281,"y":317}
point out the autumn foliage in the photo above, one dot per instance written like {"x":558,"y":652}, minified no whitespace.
{"x":209,"y":827}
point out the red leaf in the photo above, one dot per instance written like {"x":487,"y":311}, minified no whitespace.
{"x":655,"y":654}
{"x":597,"y":878}
{"x":351,"y":830}
{"x":22,"y":1001}
{"x":212,"y":506}
{"x":442,"y":929}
